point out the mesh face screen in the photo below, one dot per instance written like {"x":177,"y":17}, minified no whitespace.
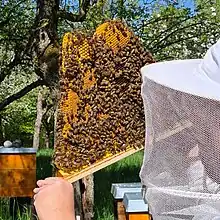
{"x":100,"y":110}
{"x":182,"y":156}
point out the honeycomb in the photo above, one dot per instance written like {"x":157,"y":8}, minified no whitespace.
{"x":115,"y":34}
{"x":100,"y":108}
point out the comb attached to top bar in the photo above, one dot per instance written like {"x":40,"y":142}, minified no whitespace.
{"x":101,"y":117}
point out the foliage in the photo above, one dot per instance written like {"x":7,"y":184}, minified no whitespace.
{"x":16,"y":69}
{"x":18,"y":118}
{"x":17,"y":18}
{"x":179,"y":33}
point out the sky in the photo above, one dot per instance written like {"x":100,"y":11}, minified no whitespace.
{"x":185,"y":3}
{"x":188,"y":3}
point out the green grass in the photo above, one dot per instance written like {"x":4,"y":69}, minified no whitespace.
{"x":126,"y":170}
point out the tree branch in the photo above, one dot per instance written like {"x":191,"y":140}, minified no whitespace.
{"x":9,"y":67}
{"x":175,"y":31}
{"x":164,"y":43}
{"x":75,"y":17}
{"x":20,"y":94}
{"x":19,"y":56}
{"x":174,"y":42}
{"x":178,"y":24}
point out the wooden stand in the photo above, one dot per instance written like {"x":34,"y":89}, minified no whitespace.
{"x":135,"y":207}
{"x":17,"y":176}
{"x":119,"y":210}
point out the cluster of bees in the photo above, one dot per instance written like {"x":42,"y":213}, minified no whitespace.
{"x":100,"y":109}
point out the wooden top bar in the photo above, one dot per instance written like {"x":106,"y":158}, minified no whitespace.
{"x":72,"y":177}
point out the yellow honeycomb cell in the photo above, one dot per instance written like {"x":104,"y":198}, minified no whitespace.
{"x":84,"y":50}
{"x":69,"y":106}
{"x":69,"y":109}
{"x":115,"y":34}
{"x":67,"y":44}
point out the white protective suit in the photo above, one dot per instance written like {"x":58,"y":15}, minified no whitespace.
{"x":181,"y":166}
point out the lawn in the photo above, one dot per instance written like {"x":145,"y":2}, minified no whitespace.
{"x":126,"y":170}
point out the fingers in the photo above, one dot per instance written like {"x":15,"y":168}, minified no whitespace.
{"x":36,"y":190}
{"x":35,"y":196}
{"x":39,"y":191}
{"x":44,"y":183}
{"x":54,"y":178}
{"x":48,"y":181}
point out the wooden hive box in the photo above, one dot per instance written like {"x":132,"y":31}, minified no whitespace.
{"x":17,"y":172}
{"x":135,"y":207}
{"x":118,"y":190}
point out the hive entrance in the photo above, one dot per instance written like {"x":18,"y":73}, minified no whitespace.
{"x":100,"y":109}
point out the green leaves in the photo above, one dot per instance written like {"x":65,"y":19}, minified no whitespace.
{"x":18,"y":118}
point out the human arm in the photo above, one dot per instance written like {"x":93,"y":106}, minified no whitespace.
{"x":54,"y":199}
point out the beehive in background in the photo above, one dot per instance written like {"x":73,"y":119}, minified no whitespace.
{"x":100,"y":108}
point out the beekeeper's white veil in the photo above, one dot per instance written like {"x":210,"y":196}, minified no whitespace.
{"x":181,"y":167}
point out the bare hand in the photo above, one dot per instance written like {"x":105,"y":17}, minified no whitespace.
{"x":54,"y":199}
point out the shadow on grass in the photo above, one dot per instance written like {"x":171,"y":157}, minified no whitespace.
{"x":124,"y":171}
{"x":44,"y":167}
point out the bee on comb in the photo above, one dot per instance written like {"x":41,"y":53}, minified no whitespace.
{"x":101,"y":111}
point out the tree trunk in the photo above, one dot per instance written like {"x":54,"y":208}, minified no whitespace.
{"x":1,"y":132}
{"x":46,"y":49}
{"x":88,"y":198}
{"x":46,"y":46}
{"x":78,"y":200}
{"x":84,"y":198}
{"x":36,"y":139}
{"x":47,"y":139}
